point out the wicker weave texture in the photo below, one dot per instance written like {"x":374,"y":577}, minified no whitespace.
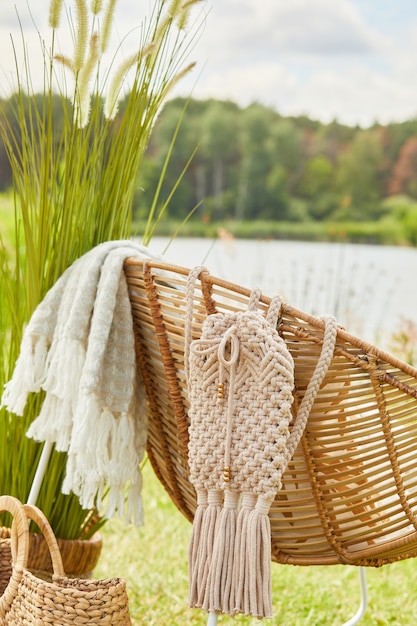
{"x":349,"y":494}
{"x":68,"y":601}
{"x":5,"y":558}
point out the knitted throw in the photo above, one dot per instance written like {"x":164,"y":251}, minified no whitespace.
{"x":240,"y":377}
{"x":79,"y":348}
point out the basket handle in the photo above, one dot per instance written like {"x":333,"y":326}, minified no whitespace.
{"x":20,"y":543}
{"x":36,"y":515}
{"x":20,"y":549}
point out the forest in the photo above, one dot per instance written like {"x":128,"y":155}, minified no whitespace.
{"x":233,"y":165}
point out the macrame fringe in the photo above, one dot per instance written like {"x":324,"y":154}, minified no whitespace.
{"x":230,"y":554}
{"x":219,"y":592}
{"x":240,"y":568}
{"x":202,"y":543}
{"x":194,"y":548}
{"x":258,"y":560}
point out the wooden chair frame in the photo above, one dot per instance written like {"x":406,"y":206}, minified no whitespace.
{"x":349,"y":495}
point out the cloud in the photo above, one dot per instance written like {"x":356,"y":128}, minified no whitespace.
{"x":320,"y":27}
{"x":315,"y":57}
{"x":260,"y":81}
{"x":353,"y":60}
{"x":23,"y":13}
{"x":247,"y":30}
{"x":356,"y":96}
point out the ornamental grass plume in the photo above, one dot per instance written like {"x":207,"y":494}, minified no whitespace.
{"x":55,"y":10}
{"x":76,"y":151}
{"x":81,"y":32}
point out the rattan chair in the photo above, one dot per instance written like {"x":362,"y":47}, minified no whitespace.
{"x":349,"y":495}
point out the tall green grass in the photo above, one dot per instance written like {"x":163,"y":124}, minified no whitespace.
{"x":73,"y":188}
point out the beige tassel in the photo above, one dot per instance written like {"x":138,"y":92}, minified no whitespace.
{"x":259,"y":559}
{"x":240,"y":571}
{"x":202,"y":542}
{"x":220,"y":580}
{"x":195,"y":547}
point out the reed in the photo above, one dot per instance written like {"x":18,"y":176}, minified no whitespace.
{"x":73,"y":188}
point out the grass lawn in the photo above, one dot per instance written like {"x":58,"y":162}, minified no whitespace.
{"x":153,"y":561}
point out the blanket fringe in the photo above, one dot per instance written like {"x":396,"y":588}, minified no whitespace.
{"x":28,"y":375}
{"x":61,"y":379}
{"x":94,"y":463}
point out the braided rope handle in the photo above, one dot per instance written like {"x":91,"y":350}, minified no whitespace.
{"x":322,"y":366}
{"x":188,"y":327}
{"x":274,"y":309}
{"x":254,"y":299}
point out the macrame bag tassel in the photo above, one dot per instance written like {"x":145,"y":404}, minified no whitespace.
{"x":219,"y":585}
{"x":200,"y":552}
{"x":196,"y":548}
{"x":258,"y":560}
{"x":241,"y":559}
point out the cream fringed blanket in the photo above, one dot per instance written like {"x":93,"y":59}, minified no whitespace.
{"x":79,"y":348}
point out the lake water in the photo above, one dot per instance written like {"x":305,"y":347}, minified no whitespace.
{"x":368,"y":288}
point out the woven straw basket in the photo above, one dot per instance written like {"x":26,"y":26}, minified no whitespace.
{"x":349,"y":494}
{"x":28,"y":598}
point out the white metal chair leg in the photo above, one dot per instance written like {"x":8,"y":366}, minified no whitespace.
{"x":212,"y":619}
{"x":40,"y":472}
{"x":364,"y":599}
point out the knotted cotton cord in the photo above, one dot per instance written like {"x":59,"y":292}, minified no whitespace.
{"x":188,"y":322}
{"x":230,"y":338}
{"x":327,"y":351}
{"x":240,"y":376}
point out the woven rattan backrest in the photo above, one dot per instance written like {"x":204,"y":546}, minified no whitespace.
{"x":349,"y":494}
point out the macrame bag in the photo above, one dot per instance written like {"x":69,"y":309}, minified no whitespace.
{"x":240,"y":377}
{"x":31,"y":600}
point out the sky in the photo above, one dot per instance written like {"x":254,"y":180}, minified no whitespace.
{"x":350,"y":60}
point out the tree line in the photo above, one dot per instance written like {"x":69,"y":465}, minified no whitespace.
{"x":252,"y":163}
